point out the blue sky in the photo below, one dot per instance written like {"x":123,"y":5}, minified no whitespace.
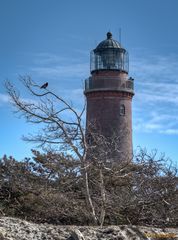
{"x":51,"y":40}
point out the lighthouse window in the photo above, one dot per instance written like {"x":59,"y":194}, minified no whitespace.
{"x":122,"y":110}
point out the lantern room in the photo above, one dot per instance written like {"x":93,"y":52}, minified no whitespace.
{"x":109,"y":55}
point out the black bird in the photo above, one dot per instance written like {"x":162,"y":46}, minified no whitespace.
{"x":44,"y":85}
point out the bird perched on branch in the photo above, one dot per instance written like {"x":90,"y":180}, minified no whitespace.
{"x":44,"y":85}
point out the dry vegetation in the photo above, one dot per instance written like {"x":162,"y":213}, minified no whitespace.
{"x":76,"y":181}
{"x":50,"y":188}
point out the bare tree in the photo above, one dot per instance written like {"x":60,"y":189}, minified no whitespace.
{"x":62,"y":125}
{"x":64,"y":131}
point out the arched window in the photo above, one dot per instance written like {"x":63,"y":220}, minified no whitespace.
{"x":122,"y":110}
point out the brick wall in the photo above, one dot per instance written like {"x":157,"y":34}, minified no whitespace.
{"x":103,"y":112}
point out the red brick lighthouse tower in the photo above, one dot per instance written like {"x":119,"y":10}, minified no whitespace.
{"x":109,"y":93}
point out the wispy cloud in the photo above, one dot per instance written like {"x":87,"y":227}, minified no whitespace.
{"x":51,"y":66}
{"x":156,"y":99}
{"x":170,"y":131}
{"x":155,"y":68}
{"x":59,"y":71}
{"x":46,"y":58}
{"x":156,"y":121}
{"x":4,"y":98}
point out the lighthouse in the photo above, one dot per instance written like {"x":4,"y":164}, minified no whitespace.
{"x":109,"y":91}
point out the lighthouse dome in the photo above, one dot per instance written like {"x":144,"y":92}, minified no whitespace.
{"x":108,"y":43}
